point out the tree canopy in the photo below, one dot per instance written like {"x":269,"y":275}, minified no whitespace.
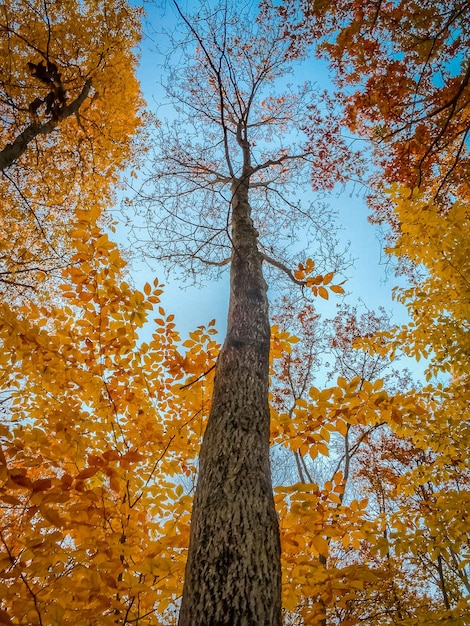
{"x":69,"y":103}
{"x":404,"y":71}
{"x":149,"y":478}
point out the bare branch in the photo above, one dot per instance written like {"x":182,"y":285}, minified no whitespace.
{"x":282,"y":159}
{"x":284,"y":268}
{"x":217,"y":74}
{"x":234,"y":126}
{"x":215,"y":263}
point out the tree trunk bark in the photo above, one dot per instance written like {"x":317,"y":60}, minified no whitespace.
{"x":233,"y":573}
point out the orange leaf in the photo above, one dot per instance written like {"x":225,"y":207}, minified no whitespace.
{"x":328,"y":278}
{"x":42,"y":484}
{"x":52,"y":516}
{"x":4,"y":619}
{"x":87,"y":473}
{"x":337,"y":289}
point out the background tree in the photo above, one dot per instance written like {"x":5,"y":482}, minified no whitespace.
{"x":403,"y":74}
{"x":225,"y":189}
{"x":325,"y":516}
{"x":404,"y":71}
{"x":418,"y":478}
{"x":96,"y":429}
{"x":69,"y":104}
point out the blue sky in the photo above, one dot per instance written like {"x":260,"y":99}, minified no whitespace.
{"x":367,"y":279}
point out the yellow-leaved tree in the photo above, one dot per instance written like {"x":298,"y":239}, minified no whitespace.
{"x":415,"y":474}
{"x":69,"y":106}
{"x":70,"y":512}
{"x":436,"y":242}
{"x":97,"y":435}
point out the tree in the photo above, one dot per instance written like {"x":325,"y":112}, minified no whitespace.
{"x":94,"y":425}
{"x":439,"y":311}
{"x":326,"y":518}
{"x":222,"y":194}
{"x":69,"y":103}
{"x":100,"y":427}
{"x":404,"y":71}
{"x":69,"y":108}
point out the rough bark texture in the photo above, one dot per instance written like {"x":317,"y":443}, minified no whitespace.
{"x":233,"y":571}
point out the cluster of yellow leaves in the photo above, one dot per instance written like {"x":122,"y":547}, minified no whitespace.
{"x":314,"y":526}
{"x":309,"y":427}
{"x":383,"y":539}
{"x":281,"y":342}
{"x":325,"y":563}
{"x":77,"y":164}
{"x":417,"y":476}
{"x":437,"y":242}
{"x":94,"y":425}
{"x":350,"y":558}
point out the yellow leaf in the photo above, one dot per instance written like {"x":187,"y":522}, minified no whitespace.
{"x":321,"y":545}
{"x":342,"y":382}
{"x":357,"y":584}
{"x":289,"y":599}
{"x":338,"y":477}
{"x":42,"y":484}
{"x":87,"y":473}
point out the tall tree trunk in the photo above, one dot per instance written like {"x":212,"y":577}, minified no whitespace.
{"x":233,"y":573}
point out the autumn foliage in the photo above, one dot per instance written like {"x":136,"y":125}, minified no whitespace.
{"x":407,"y":64}
{"x":103,"y":405}
{"x":69,"y":104}
{"x":93,"y":506}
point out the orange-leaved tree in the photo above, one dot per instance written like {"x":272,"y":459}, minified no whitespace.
{"x":69,"y":105}
{"x":404,"y":73}
{"x":379,"y":533}
{"x":405,"y":69}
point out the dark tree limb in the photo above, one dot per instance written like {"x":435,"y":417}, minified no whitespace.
{"x":14,"y":150}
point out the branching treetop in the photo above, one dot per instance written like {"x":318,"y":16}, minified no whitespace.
{"x":238,"y":118}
